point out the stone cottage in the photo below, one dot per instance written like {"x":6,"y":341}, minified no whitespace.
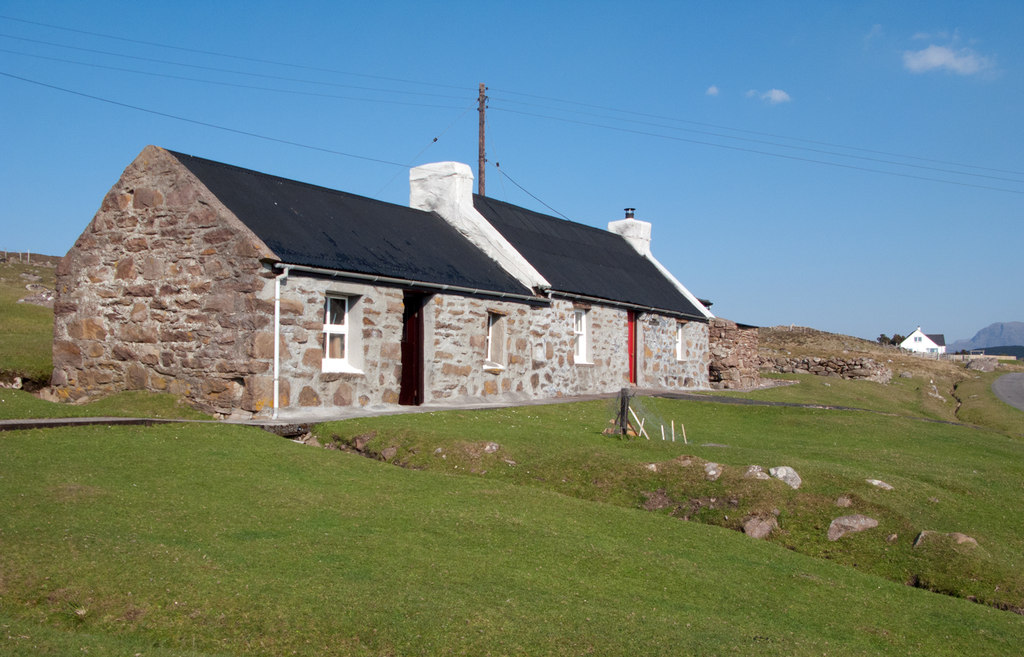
{"x":251,"y":294}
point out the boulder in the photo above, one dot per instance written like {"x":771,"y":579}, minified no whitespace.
{"x":878,"y":483}
{"x":844,"y":501}
{"x":712,"y":471}
{"x":787,"y":475}
{"x":759,"y":526}
{"x":982,"y":364}
{"x":844,"y":525}
{"x":491,"y":448}
{"x":756,"y":472}
{"x":929,"y":536}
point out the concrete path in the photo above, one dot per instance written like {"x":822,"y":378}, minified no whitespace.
{"x":1010,"y":388}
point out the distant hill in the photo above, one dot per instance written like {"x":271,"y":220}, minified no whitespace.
{"x":1000,"y":334}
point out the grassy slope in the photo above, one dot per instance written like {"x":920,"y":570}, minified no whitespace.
{"x":26,"y":331}
{"x":17,"y":404}
{"x":225,"y":540}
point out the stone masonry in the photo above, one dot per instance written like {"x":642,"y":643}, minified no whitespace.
{"x":166,"y":290}
{"x":163,"y":291}
{"x":734,"y":359}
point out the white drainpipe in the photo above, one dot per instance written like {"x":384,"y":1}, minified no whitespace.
{"x":277,"y":337}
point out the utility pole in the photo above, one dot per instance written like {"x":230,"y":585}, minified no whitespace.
{"x":482,"y":108}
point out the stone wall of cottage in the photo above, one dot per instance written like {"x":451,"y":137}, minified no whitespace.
{"x":735,"y":362}
{"x":164,"y":291}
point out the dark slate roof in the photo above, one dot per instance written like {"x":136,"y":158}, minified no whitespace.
{"x":580,"y":259}
{"x":938,"y":338}
{"x":319,"y":227}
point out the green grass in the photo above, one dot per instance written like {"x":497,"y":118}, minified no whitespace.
{"x":947,"y":478}
{"x":17,"y":404}
{"x":226,"y":540}
{"x":982,"y":407}
{"x":26,"y":330}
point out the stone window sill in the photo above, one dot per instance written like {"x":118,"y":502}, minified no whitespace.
{"x":493,"y":368}
{"x":332,"y":366}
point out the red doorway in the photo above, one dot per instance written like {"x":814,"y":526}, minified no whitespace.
{"x":411,"y":391}
{"x":631,"y":345}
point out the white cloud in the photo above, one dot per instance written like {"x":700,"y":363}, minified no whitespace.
{"x":874,"y":33}
{"x":962,"y":62}
{"x":712,"y":90}
{"x":775,"y":96}
{"x":751,"y":93}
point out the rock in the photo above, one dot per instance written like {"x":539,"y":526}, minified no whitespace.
{"x":906,"y":375}
{"x":844,"y":525}
{"x":759,"y":526}
{"x":878,"y":483}
{"x":982,"y":364}
{"x":439,"y":451}
{"x":359,"y":442}
{"x":787,"y":475}
{"x":653,"y":467}
{"x":844,"y":501}
{"x":388,"y":453}
{"x":713,"y":471}
{"x":491,"y":448}
{"x":928,"y":536}
{"x":756,"y":472}
{"x":891,"y":539}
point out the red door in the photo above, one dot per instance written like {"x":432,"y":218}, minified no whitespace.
{"x":631,"y":320}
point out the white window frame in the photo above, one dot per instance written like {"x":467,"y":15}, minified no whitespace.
{"x":344,"y":363}
{"x":581,"y":336}
{"x":494,"y":352}
{"x":680,"y":340}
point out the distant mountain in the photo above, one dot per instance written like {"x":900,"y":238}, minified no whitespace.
{"x":999,"y":334}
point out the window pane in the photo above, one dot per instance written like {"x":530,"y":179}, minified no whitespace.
{"x":335,"y":345}
{"x":336,"y":311}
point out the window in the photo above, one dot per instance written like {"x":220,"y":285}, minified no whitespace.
{"x":581,"y":335}
{"x":680,"y":341}
{"x":917,"y":338}
{"x":337,"y":345}
{"x":495,"y":340}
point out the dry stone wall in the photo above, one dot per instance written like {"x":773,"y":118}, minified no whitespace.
{"x":846,"y":368}
{"x":734,"y":359}
{"x":163,"y":291}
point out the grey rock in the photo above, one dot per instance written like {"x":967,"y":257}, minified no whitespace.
{"x":491,"y":448}
{"x":844,"y":525}
{"x":713,"y":471}
{"x":844,"y":501}
{"x":787,"y":475}
{"x":878,"y":483}
{"x":760,"y":526}
{"x":958,"y":538}
{"x":756,"y":472}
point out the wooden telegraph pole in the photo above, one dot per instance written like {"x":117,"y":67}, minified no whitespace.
{"x":482,"y":108}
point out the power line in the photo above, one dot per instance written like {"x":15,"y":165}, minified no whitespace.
{"x":229,"y":55}
{"x":497,"y":166}
{"x":219,"y":70}
{"x":754,"y":132}
{"x":202,"y":123}
{"x":228,"y":84}
{"x":766,"y":153}
{"x":799,"y":148}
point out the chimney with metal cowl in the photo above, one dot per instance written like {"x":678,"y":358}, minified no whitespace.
{"x":636,"y":232}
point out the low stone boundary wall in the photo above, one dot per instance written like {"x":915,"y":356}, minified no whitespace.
{"x":734,"y":360}
{"x":852,"y":368}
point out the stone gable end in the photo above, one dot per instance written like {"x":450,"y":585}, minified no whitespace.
{"x":163,"y":291}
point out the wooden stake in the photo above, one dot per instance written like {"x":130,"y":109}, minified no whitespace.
{"x":683,"y":427}
{"x":663,"y":432}
{"x":673,"y":430}
{"x":641,"y":430}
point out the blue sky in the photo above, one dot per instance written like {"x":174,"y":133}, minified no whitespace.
{"x":852,"y":166}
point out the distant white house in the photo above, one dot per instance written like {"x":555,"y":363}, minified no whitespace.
{"x":924,"y":343}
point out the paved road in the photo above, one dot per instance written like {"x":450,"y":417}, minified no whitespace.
{"x":1010,"y":388}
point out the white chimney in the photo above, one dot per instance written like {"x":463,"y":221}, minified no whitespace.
{"x":446,"y":189}
{"x":636,"y":232}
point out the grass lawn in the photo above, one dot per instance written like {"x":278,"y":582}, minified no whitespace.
{"x":26,"y":331}
{"x":209,"y":540}
{"x":17,"y":404}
